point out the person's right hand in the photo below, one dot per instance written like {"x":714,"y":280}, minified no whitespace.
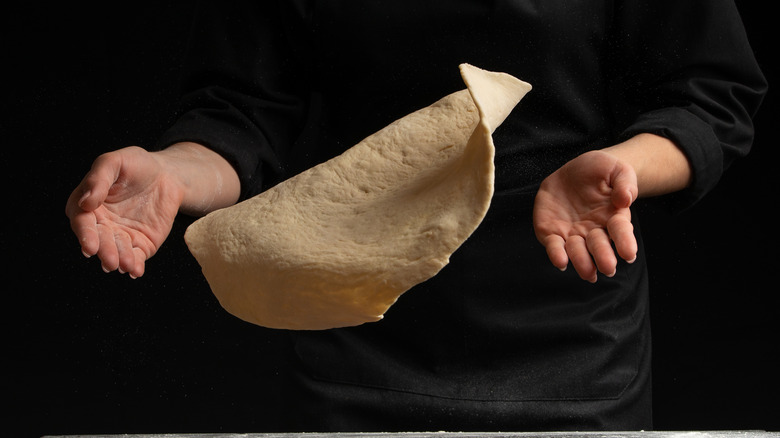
{"x":124,"y":209}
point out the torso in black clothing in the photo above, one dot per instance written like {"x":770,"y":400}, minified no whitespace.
{"x":498,"y":326}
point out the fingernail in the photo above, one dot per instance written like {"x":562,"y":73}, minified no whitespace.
{"x":85,"y":254}
{"x":84,"y":197}
{"x":105,"y":269}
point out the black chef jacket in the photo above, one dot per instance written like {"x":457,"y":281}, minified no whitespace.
{"x":499,"y":339}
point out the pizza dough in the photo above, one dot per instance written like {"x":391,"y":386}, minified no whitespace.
{"x":338,"y":244}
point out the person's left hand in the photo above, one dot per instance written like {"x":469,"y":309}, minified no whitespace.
{"x":582,"y":209}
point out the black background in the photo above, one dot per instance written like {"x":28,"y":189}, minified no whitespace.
{"x":86,"y":352}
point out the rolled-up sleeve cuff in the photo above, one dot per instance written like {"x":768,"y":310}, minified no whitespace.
{"x":697,"y":141}
{"x":236,"y":146}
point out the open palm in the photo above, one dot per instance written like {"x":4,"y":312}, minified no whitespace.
{"x":582,"y":209}
{"x":124,"y":209}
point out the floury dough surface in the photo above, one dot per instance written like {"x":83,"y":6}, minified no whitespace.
{"x":337,"y":244}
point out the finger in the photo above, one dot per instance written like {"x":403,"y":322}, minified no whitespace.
{"x":556,"y":251}
{"x":140,"y":263}
{"x":84,"y":226}
{"x":83,"y":223}
{"x":600,"y":248}
{"x":108,"y":252}
{"x":580,"y":258}
{"x":125,"y":252}
{"x":621,"y":230}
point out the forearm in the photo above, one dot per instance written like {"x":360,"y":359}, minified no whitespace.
{"x":661,"y":167}
{"x":208,"y":182}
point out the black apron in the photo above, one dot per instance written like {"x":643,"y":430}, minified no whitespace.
{"x":498,"y":340}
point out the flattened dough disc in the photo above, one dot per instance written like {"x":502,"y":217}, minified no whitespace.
{"x":337,"y":244}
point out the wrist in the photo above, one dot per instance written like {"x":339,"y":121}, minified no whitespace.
{"x":660,"y":165}
{"x":206,"y":180}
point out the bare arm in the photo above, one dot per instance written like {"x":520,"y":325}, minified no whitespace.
{"x":208,"y":182}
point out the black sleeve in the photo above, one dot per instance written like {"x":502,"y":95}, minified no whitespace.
{"x":245,"y":88}
{"x":686,"y":71}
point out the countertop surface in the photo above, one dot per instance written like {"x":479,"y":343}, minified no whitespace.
{"x":637,"y":434}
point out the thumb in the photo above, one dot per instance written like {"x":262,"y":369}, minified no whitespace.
{"x":624,"y":186}
{"x":98,"y":181}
